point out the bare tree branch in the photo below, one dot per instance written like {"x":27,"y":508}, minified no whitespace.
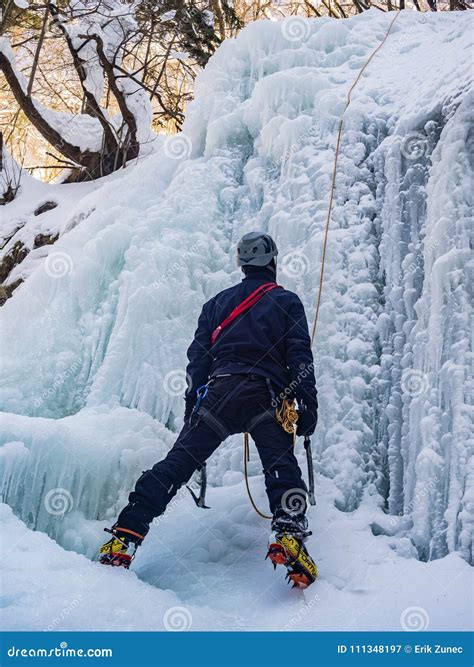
{"x":39,"y":46}
{"x":127,"y":115}
{"x":91,"y":102}
{"x":27,"y":105}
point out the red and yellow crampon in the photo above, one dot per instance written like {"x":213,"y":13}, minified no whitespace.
{"x":285,"y":549}
{"x":114,"y":552}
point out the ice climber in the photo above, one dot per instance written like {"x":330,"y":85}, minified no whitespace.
{"x":250,"y":358}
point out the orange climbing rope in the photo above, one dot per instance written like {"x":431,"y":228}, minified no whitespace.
{"x":246,"y":460}
{"x":334,"y":172}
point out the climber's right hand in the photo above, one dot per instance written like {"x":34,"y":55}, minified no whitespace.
{"x":307,"y":418}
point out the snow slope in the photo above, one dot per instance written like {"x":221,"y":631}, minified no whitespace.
{"x":206,"y":571}
{"x":48,"y":210}
{"x":95,"y":341}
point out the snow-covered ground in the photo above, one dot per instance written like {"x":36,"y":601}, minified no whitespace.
{"x":205,"y":570}
{"x":94,"y":344}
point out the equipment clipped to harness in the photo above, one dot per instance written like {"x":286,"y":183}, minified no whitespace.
{"x":201,"y":393}
{"x":200,"y":499}
{"x":287,"y":415}
{"x":247,"y":303}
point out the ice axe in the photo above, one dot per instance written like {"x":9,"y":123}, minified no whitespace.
{"x":201,"y":499}
{"x":309,"y":461}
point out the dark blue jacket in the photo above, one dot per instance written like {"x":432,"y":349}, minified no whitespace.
{"x":270,"y":339}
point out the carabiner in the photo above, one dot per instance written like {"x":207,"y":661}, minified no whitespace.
{"x":201,"y":392}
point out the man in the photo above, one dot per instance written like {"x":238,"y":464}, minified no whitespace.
{"x":251,"y":350}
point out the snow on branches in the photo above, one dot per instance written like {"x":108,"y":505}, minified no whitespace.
{"x":98,"y":35}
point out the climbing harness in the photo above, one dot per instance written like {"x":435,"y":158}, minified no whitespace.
{"x":307,"y":441}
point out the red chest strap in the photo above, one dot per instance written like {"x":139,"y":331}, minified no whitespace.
{"x":247,"y":303}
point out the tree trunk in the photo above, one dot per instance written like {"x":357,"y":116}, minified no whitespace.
{"x":27,"y":105}
{"x":5,"y":15}
{"x":133,"y":147}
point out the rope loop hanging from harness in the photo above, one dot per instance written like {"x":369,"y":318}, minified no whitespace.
{"x":246,"y":460}
{"x":323,"y":263}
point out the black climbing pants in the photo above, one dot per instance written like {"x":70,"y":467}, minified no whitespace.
{"x":233,"y":404}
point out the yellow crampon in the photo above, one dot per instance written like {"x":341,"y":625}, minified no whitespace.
{"x":287,"y":550}
{"x":115,"y":546}
{"x":114,"y":552}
